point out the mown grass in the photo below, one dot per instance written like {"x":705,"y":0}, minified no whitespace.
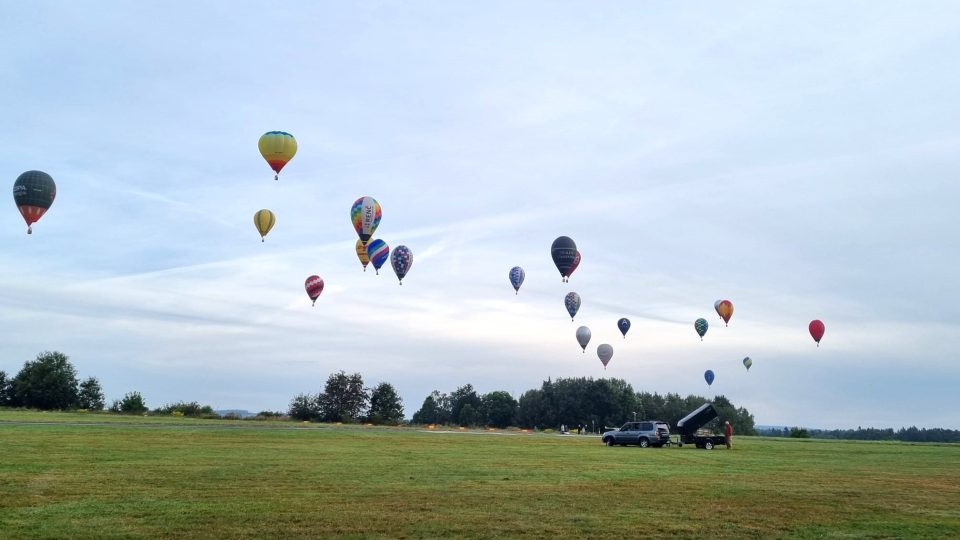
{"x":154,"y":478}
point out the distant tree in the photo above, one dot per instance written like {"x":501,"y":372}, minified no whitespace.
{"x":90,"y":396}
{"x":532,"y":410}
{"x":499,"y":409}
{"x":6,"y":390}
{"x":435,"y":409}
{"x":385,"y":405}
{"x":304,"y":407}
{"x":469,"y":416}
{"x":799,"y":433}
{"x":465,"y":395}
{"x":344,"y":399}
{"x":185,"y":408}
{"x":132,"y":403}
{"x":49,"y":382}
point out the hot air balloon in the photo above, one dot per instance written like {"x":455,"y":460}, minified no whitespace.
{"x":264,"y":220}
{"x":362,"y":254}
{"x":564,"y":252}
{"x":725,"y":309}
{"x":716,"y":306}
{"x":605,"y":352}
{"x":583,"y":337}
{"x":700,"y":325}
{"x":33,"y":192}
{"x":401,"y":259}
{"x":278,"y":148}
{"x":378,"y":252}
{"x":572,"y":301}
{"x":516,"y":278}
{"x":365,"y":215}
{"x":747,"y":362}
{"x":816,"y":330}
{"x":573,"y":265}
{"x":314,"y":286}
{"x":708,"y":376}
{"x":624,"y":326}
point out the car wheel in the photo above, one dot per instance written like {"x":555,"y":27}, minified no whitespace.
{"x":644,"y":443}
{"x":608,"y":441}
{"x":679,"y":445}
{"x":708,"y":445}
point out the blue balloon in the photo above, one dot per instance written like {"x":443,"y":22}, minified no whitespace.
{"x":572,"y":301}
{"x":516,"y":278}
{"x":402,"y":259}
{"x":624,"y":326}
{"x":708,"y":376}
{"x":378,"y":252}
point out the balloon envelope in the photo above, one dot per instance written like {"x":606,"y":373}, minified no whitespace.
{"x":817,"y":329}
{"x":33,"y":193}
{"x":583,"y":337}
{"x":700,"y":325}
{"x":362,"y":254}
{"x":747,"y":362}
{"x":564,"y":252}
{"x":264,"y":220}
{"x":716,"y":307}
{"x":624,"y":326}
{"x":278,"y":148}
{"x":401,"y":259}
{"x":377,"y":251}
{"x":605,"y":352}
{"x":725,"y":309}
{"x":572,"y":302}
{"x":516,"y":277}
{"x":314,"y":286}
{"x":708,"y":376}
{"x":365,"y":215}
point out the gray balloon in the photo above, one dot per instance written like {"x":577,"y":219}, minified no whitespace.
{"x":605,"y":352}
{"x":583,"y":337}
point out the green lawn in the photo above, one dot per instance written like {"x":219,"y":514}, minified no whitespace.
{"x":176,"y":478}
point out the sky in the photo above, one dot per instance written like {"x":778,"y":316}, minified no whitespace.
{"x":799,"y":159}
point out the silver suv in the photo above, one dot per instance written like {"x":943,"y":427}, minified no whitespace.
{"x":645,"y":433}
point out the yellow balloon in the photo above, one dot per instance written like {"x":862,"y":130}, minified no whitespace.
{"x":264,"y":221}
{"x":278,"y":148}
{"x":362,"y":254}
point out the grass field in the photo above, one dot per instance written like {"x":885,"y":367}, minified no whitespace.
{"x":175,"y":478}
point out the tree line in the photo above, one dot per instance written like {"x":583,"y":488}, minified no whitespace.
{"x":594,"y":404}
{"x":910,"y":434}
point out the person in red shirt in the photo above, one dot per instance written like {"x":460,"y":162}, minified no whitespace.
{"x":728,"y":433}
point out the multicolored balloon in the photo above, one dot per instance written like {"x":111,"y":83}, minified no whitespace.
{"x":314,"y":286}
{"x":817,"y":329}
{"x":278,"y":148}
{"x":700,"y":325}
{"x":401,"y":259}
{"x":365,"y":215}
{"x":747,"y":362}
{"x":725,"y":309}
{"x":572,"y":301}
{"x":624,"y":326}
{"x":708,"y":376}
{"x":564,"y":252}
{"x":583,"y":337}
{"x":716,"y":307}
{"x":605,"y":352}
{"x":362,"y":254}
{"x":33,"y":192}
{"x":264,"y":220}
{"x":378,"y":252}
{"x":516,"y":278}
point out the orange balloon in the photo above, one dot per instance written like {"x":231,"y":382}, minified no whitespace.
{"x":725,"y":309}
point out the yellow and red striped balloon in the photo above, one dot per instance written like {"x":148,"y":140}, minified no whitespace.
{"x":278,"y":148}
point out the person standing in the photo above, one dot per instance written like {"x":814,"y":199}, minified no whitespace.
{"x":728,"y":434}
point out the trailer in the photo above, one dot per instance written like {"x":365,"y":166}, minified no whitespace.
{"x":689,"y":427}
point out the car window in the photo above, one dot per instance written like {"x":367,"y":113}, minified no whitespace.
{"x":646,"y":426}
